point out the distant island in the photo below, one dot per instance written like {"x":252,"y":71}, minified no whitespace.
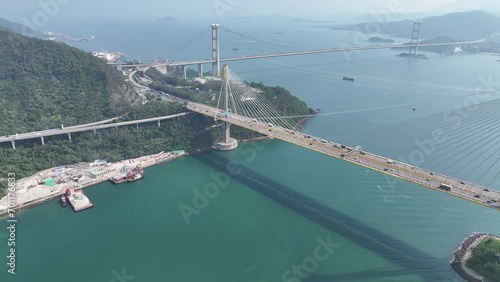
{"x":377,"y":39}
{"x":479,"y":25}
{"x":441,"y":29}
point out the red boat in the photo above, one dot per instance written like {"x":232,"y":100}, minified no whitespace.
{"x":136,"y":174}
{"x":131,"y":176}
{"x":119,"y":179}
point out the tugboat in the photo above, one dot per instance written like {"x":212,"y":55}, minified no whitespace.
{"x":348,"y":78}
{"x":64,"y":202}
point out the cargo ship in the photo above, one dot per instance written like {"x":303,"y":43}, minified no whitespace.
{"x":348,"y":78}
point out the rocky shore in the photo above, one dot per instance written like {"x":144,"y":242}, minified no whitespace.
{"x":463,"y":253}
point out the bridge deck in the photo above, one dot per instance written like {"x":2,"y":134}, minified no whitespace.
{"x":81,"y":128}
{"x":461,"y":189}
{"x":304,"y":52}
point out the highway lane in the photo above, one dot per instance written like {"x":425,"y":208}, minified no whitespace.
{"x":41,"y":132}
{"x":468,"y":191}
{"x":66,"y":130}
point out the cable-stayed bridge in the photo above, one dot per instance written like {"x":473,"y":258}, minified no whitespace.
{"x":243,"y":106}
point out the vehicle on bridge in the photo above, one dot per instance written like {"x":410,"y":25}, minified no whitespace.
{"x":445,"y":187}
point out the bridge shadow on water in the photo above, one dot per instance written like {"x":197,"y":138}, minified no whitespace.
{"x":411,"y":260}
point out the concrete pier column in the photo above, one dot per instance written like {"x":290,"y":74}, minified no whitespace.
{"x":95,"y":132}
{"x":13,"y":144}
{"x":137,"y":125}
{"x":200,"y":70}
{"x":184,"y":72}
{"x":158,"y":123}
{"x":43,"y":141}
{"x":69,"y":136}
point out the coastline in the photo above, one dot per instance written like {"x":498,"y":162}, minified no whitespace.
{"x":29,"y":192}
{"x":464,"y":252}
{"x":42,"y":194}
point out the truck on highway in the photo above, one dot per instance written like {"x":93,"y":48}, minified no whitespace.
{"x":445,"y":187}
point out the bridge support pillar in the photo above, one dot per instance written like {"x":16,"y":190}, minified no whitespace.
{"x":69,"y":136}
{"x":13,"y":144}
{"x":184,"y":72}
{"x":158,"y":123}
{"x":43,"y":141}
{"x":95,"y":132}
{"x":415,"y":38}
{"x":137,"y":125}
{"x":200,"y":70}
{"x":227,"y":143}
{"x":163,"y":70}
{"x":215,"y":50}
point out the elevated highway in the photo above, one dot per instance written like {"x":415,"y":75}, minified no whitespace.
{"x":80,"y":128}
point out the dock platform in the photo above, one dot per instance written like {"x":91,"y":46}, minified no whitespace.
{"x":78,"y":200}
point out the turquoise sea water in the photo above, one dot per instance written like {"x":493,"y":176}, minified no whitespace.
{"x":271,"y":204}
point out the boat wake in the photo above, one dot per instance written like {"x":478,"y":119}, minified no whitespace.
{"x":351,"y":111}
{"x":378,"y":186}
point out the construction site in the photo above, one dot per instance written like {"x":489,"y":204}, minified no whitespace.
{"x":69,"y":180}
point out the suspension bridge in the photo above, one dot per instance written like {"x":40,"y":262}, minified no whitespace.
{"x":216,"y":59}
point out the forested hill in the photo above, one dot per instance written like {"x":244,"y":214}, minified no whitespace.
{"x":44,"y":84}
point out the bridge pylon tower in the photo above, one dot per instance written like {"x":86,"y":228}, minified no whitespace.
{"x":215,"y":50}
{"x":415,"y":38}
{"x":227,"y":143}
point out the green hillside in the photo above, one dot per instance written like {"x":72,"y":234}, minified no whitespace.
{"x":44,"y":84}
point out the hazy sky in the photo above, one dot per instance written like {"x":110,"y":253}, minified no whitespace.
{"x":83,"y":10}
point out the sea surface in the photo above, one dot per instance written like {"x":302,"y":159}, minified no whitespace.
{"x":272,"y":211}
